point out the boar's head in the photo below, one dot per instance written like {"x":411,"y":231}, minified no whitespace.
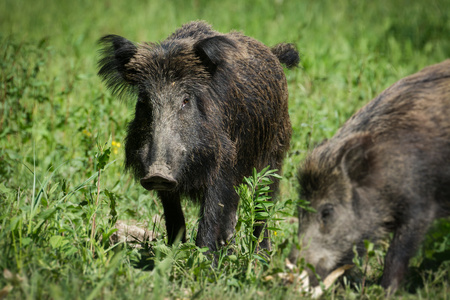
{"x":174,"y":141}
{"x":338,"y":180}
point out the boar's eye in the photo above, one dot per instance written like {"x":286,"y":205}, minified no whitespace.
{"x":326,"y":213}
{"x":185,"y":102}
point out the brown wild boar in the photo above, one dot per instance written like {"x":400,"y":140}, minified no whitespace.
{"x":210,"y":107}
{"x":386,"y":170}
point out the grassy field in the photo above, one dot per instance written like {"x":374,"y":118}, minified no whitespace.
{"x":62,"y":184}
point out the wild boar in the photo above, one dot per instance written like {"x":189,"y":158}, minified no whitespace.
{"x":387,"y":169}
{"x":210,"y":107}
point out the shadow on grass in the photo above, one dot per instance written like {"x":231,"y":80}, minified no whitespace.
{"x":429,"y":271}
{"x":146,"y":261}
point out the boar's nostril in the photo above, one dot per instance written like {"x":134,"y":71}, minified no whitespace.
{"x":159,"y":182}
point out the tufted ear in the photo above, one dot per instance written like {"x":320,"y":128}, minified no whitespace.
{"x":115,"y":55}
{"x":213,"y":51}
{"x":356,"y":158}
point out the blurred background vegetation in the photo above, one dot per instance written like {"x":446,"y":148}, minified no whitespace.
{"x":62,"y":184}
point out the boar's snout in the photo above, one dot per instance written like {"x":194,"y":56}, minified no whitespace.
{"x":159,"y":178}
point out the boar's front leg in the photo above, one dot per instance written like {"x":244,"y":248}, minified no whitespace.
{"x":405,"y":242}
{"x":173,"y":214}
{"x":218,"y":215}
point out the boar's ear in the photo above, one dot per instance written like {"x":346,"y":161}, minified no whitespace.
{"x":213,"y":51}
{"x":356,"y":158}
{"x":115,"y":55}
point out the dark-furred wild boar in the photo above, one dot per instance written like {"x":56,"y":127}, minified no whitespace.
{"x":210,"y":108}
{"x":386,"y":170}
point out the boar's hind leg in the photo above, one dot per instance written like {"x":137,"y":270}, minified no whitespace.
{"x":173,"y":214}
{"x":265,"y":243}
{"x":218,"y":216}
{"x":407,"y":239}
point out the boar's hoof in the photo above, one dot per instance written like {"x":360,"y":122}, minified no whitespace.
{"x":158,"y":182}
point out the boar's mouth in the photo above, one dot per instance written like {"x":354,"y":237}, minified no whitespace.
{"x":159,"y":182}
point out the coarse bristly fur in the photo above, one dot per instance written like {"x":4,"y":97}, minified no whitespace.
{"x":210,"y":108}
{"x":387,"y":169}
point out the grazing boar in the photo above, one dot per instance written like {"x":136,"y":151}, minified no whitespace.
{"x":386,"y":170}
{"x":210,"y":107}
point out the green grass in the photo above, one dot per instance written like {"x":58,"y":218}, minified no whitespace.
{"x":61,"y":161}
